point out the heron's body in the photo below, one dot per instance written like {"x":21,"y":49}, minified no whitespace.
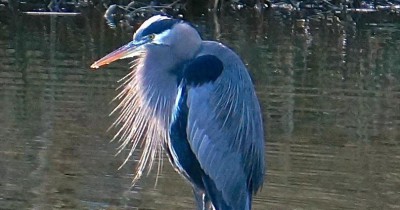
{"x":198,"y":102}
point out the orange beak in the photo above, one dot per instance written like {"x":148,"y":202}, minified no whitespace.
{"x":123,"y":52}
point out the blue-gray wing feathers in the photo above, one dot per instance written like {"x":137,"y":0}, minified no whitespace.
{"x":224,"y":130}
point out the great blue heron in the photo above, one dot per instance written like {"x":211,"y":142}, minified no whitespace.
{"x":195,"y":100}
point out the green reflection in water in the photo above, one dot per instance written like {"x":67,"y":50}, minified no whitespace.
{"x":330,"y":96}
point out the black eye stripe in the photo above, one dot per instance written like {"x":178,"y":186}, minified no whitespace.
{"x":159,"y":26}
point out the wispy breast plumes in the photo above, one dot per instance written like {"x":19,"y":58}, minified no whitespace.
{"x":141,"y":123}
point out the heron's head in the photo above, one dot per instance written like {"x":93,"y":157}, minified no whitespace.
{"x":158,"y":32}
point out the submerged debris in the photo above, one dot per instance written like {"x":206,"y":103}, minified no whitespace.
{"x":134,"y":10}
{"x":127,"y":12}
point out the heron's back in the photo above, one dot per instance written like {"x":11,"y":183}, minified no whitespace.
{"x":235,"y":99}
{"x":222,"y":125}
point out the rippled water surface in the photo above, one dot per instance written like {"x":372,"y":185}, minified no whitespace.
{"x":330,"y":95}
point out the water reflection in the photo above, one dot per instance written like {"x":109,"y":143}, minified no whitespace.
{"x":330,"y":95}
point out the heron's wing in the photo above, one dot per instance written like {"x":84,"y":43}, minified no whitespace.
{"x":224,"y":130}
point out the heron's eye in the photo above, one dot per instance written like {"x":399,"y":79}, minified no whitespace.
{"x":152,"y":36}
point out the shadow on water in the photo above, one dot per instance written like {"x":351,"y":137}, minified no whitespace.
{"x":330,"y":96}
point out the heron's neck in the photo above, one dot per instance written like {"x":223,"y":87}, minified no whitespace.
{"x":157,"y":77}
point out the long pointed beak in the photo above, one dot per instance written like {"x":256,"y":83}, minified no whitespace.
{"x":125,"y":51}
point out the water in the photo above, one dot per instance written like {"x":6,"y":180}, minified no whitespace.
{"x":330,"y":95}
